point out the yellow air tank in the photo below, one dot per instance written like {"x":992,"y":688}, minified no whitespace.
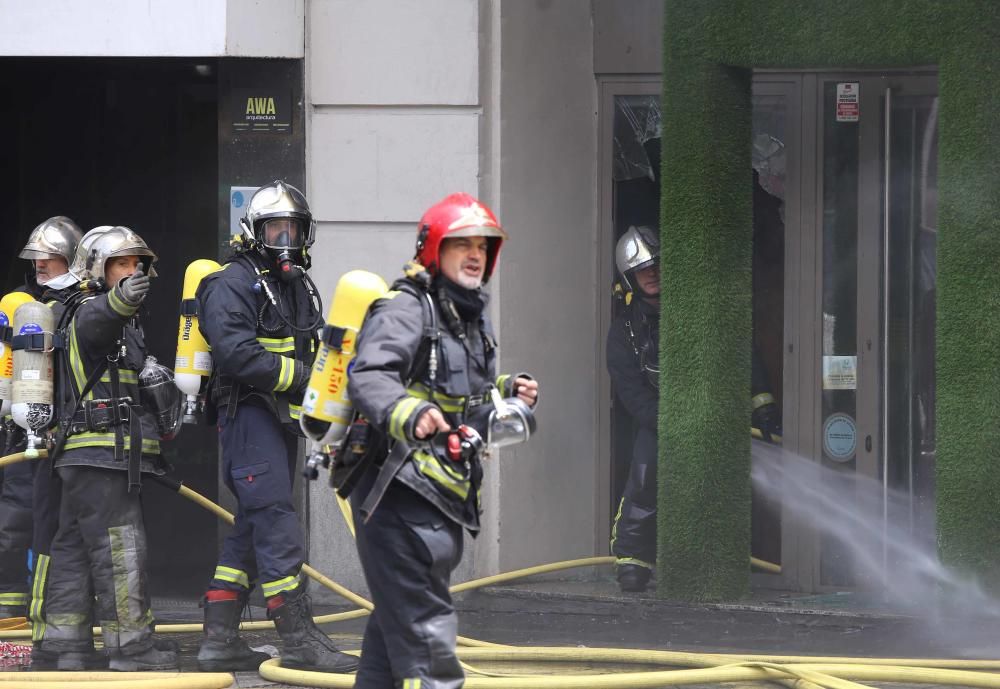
{"x":194,"y":356}
{"x":326,"y":408}
{"x":31,"y":390}
{"x":8,"y":305}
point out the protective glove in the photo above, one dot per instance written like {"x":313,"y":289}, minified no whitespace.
{"x":134,"y":288}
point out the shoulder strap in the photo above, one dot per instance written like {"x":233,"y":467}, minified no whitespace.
{"x":428,"y":351}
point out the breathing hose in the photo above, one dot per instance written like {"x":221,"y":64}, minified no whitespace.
{"x":801,"y":672}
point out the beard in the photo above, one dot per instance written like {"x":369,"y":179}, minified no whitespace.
{"x":468,"y":281}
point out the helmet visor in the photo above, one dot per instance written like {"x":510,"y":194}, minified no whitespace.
{"x":282,"y":233}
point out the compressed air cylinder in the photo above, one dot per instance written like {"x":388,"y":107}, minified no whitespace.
{"x":8,"y":305}
{"x":326,"y":408}
{"x":32,"y":394}
{"x":194,"y":356}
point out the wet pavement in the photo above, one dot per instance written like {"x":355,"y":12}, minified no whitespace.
{"x":595,"y":614}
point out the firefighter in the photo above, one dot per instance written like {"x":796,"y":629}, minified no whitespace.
{"x":260,"y":314}
{"x":50,"y":249}
{"x":104,"y":441}
{"x":634,"y":368}
{"x":425,"y":361}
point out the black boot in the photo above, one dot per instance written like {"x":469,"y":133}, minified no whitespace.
{"x":222,"y":649}
{"x":633,"y":578}
{"x":149,"y":659}
{"x":305,"y":646}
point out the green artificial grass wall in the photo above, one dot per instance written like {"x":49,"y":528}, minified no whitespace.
{"x":710,"y":47}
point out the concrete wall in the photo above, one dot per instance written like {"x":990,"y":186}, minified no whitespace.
{"x":496,"y":97}
{"x":155,"y":28}
{"x":548,"y":286}
{"x":394,"y":117}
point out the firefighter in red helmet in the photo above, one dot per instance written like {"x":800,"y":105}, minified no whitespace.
{"x":425,"y":366}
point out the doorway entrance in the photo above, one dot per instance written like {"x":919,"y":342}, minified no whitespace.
{"x":845,"y":218}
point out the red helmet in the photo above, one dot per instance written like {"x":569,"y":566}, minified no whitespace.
{"x":458,"y":215}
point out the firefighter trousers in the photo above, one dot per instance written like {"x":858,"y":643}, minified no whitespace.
{"x":408,"y":550}
{"x":99,"y":550}
{"x":258,"y":465}
{"x":15,"y":535}
{"x":633,"y":536}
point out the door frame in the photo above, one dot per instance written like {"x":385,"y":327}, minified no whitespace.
{"x":803,"y":327}
{"x":607,"y":89}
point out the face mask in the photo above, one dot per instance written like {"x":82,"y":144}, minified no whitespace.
{"x":62,"y":281}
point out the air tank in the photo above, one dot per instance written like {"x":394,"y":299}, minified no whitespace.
{"x":32,"y":394}
{"x":193,"y":364}
{"x":326,"y":408}
{"x":8,"y":305}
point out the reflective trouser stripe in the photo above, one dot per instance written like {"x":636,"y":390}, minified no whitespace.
{"x":294,"y":411}
{"x":614,"y":524}
{"x":411,"y":683}
{"x":233,"y":576}
{"x":14,"y":598}
{"x":273,"y":588}
{"x":400,"y":413}
{"x":126,"y":575}
{"x":38,"y":597}
{"x":633,"y":561}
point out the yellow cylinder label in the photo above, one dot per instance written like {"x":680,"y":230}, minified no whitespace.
{"x":326,"y":397}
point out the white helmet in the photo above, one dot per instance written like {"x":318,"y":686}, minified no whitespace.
{"x":57,"y":236}
{"x":638,"y":248}
{"x":105,"y":242}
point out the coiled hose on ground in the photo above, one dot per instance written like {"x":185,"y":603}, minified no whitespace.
{"x":800,"y":672}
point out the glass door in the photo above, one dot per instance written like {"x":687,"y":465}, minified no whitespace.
{"x":858,"y":343}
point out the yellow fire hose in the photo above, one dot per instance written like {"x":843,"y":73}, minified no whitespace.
{"x":801,"y":672}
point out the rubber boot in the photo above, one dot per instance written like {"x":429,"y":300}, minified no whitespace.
{"x":78,"y":661}
{"x":150,"y":659}
{"x":305,"y":646}
{"x":633,"y":578}
{"x":42,"y":660}
{"x":222,"y":649}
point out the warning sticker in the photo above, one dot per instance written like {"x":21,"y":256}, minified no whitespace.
{"x":848,"y":103}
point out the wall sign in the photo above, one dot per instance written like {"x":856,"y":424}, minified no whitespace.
{"x":239,"y":197}
{"x":261,"y":110}
{"x":840,"y":437}
{"x":848,"y":103}
{"x":840,"y":373}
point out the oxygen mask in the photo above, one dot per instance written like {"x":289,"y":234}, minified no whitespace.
{"x":161,"y":398}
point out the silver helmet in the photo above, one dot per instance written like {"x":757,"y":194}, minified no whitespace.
{"x":638,"y":248}
{"x":278,"y":218}
{"x":57,"y":236}
{"x":105,"y":242}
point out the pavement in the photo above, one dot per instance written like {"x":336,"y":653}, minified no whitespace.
{"x":594,"y":613}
